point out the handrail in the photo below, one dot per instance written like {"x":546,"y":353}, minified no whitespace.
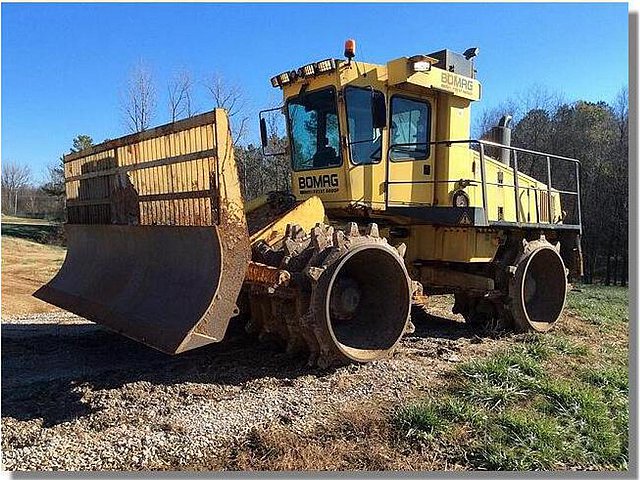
{"x":508,"y":147}
{"x":512,"y":151}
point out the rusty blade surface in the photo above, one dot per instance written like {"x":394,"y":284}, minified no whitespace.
{"x":161,"y":285}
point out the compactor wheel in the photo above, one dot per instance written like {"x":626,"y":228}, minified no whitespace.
{"x":537,"y":287}
{"x":349,"y":298}
{"x":533,"y":298}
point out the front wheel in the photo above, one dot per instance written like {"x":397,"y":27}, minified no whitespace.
{"x":349,"y":298}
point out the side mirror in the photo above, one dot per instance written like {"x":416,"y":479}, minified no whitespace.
{"x":263,"y":133}
{"x":378,"y":110}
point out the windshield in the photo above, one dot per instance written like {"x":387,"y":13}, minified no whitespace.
{"x":313,"y":122}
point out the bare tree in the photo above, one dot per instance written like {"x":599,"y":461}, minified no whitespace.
{"x":538,"y":97}
{"x":621,"y":114}
{"x":180,"y":96}
{"x":233,"y":100}
{"x":15,"y":177}
{"x":489,"y":117}
{"x":139,"y":99}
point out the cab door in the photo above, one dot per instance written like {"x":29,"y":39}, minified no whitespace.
{"x":410,"y":169}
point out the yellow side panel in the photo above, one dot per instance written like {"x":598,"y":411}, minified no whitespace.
{"x":411,"y":193}
{"x":450,"y":244}
{"x":367,"y":183}
{"x":452,"y":163}
{"x":501,"y":198}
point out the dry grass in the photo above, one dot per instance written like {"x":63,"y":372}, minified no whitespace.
{"x":26,"y":266}
{"x":25,"y":221}
{"x":359,"y":437}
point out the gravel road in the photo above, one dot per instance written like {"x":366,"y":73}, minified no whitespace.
{"x":78,"y":397}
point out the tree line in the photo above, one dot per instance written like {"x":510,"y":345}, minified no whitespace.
{"x":597,"y":134}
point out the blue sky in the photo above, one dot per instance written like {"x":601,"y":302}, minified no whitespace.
{"x":63,"y":65}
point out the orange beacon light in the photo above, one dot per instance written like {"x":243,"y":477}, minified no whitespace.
{"x":350,"y":49}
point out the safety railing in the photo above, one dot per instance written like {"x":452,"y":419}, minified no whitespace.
{"x":513,"y":156}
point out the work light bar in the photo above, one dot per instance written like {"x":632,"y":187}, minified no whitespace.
{"x":323,"y":66}
{"x":280,"y":80}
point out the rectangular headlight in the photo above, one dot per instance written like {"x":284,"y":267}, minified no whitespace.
{"x":326,"y":65}
{"x":307,"y":70}
{"x":421,"y":66}
{"x":274,"y":82}
{"x":284,"y":78}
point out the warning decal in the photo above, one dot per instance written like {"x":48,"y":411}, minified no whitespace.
{"x":464,"y":219}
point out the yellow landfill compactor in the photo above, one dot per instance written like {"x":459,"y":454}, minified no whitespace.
{"x":390,"y":201}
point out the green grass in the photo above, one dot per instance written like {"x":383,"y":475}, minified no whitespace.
{"x":41,"y":233}
{"x":548,"y":402}
{"x":599,"y":304}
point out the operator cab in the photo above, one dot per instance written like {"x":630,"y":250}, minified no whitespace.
{"x":360,"y":134}
{"x":393,"y":140}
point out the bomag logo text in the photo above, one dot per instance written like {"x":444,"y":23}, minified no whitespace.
{"x":318,"y":183}
{"x":459,"y":84}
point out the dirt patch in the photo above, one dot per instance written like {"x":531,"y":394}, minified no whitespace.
{"x":76,"y":396}
{"x":26,"y":266}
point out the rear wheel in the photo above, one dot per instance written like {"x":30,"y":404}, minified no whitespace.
{"x":537,"y":288}
{"x":532,"y":298}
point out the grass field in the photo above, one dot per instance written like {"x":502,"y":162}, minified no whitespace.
{"x":25,"y":221}
{"x":37,"y":230}
{"x":28,"y":261}
{"x":26,"y":266}
{"x":556,"y":401}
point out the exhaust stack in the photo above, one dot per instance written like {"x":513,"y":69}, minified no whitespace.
{"x":501,"y":133}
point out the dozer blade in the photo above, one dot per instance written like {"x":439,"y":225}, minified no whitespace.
{"x":162,"y":286}
{"x":157,"y":238}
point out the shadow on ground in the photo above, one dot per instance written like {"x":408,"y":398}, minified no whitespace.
{"x":43,"y":365}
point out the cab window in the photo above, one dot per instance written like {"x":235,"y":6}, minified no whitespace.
{"x":364,"y":140}
{"x":315,"y":135}
{"x":409,"y":135}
